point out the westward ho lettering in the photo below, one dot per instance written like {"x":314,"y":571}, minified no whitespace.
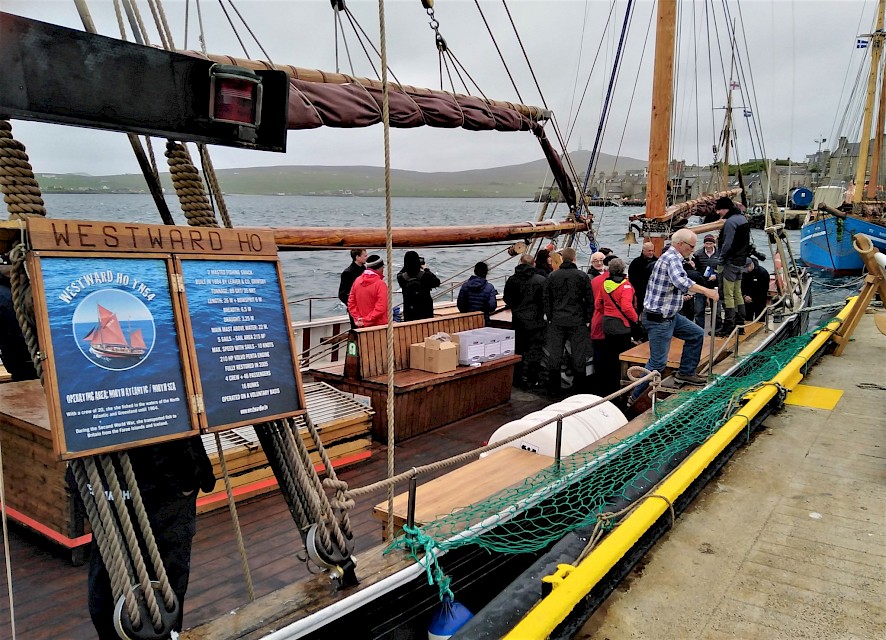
{"x":76,"y":235}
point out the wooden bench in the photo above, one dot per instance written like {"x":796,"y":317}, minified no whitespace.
{"x":422,"y":400}
{"x":470,"y":484}
{"x":639,"y":355}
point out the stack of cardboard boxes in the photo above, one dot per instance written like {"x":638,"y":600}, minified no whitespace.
{"x":483,"y":345}
{"x":441,"y":353}
{"x":437,"y":354}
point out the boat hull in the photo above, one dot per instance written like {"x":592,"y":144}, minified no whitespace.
{"x":827,"y":243}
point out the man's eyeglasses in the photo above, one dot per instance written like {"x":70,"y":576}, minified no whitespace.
{"x":691,"y":246}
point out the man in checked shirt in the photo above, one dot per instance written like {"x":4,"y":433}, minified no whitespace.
{"x":668,"y":283}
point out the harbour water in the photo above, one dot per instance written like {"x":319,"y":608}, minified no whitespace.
{"x":312,"y":276}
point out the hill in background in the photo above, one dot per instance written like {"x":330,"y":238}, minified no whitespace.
{"x":515,"y":181}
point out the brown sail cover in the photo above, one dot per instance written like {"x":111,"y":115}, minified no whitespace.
{"x":314,"y":104}
{"x":318,"y":99}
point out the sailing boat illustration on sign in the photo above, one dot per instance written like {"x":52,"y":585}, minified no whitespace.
{"x":107,"y":339}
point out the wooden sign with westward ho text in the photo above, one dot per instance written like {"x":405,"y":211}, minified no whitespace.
{"x":79,"y":235}
{"x":153,"y":333}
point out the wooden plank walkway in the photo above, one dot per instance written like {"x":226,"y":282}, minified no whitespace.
{"x":789,"y":542}
{"x":50,"y":594}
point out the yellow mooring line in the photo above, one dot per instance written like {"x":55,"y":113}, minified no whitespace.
{"x":573,"y":583}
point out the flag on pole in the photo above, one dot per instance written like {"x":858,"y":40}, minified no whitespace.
{"x":861,"y":44}
{"x":748,"y":113}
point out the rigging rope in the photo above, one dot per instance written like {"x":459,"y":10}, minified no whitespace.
{"x":389,"y":257}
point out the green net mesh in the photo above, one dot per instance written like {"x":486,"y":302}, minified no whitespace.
{"x":571,"y":495}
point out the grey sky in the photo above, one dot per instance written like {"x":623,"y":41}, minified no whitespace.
{"x":801,"y":53}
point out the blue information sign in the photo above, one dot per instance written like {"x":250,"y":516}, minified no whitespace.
{"x":115,"y":348}
{"x":242,"y":340}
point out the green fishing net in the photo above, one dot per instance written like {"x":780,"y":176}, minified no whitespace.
{"x":572,"y":494}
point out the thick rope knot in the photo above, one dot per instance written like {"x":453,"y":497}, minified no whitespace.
{"x":418,"y":539}
{"x":189,"y":187}
{"x":343,"y":500}
{"x":21,"y":193}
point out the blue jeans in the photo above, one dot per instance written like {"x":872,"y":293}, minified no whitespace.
{"x":701,"y":303}
{"x":660,"y":334}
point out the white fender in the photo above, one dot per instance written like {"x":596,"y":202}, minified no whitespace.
{"x":579,"y":430}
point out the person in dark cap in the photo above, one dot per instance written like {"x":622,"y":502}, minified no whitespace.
{"x":368,"y":300}
{"x":350,"y":275}
{"x":706,"y":260}
{"x":735,"y":248}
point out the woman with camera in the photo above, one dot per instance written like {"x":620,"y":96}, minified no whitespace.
{"x":416,"y":282}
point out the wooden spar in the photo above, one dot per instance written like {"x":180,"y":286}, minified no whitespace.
{"x":865,"y":142}
{"x":683,"y":210}
{"x":291,"y":238}
{"x":662,"y":99}
{"x":315,"y":75}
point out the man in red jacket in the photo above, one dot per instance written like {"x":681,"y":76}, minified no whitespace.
{"x":368,"y":300}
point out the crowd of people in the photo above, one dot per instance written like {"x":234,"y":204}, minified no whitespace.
{"x":562,"y":314}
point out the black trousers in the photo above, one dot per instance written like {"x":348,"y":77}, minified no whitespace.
{"x":579,"y":339}
{"x":530,"y":344}
{"x":174,"y":522}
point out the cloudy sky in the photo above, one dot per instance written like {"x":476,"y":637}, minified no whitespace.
{"x":801,"y":65}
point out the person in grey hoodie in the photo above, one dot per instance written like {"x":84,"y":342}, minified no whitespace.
{"x":476,"y":294}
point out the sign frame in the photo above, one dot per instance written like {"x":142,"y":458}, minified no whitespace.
{"x":191,"y":342}
{"x":51,"y":373}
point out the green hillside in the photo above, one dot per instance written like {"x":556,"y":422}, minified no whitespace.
{"x":515,"y":181}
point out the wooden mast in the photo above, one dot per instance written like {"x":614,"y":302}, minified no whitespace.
{"x":662,"y":102}
{"x":877,"y":151}
{"x":865,"y":142}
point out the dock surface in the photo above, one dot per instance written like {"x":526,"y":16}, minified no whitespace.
{"x":789,"y":540}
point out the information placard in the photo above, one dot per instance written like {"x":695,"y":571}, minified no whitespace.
{"x":240,"y":332}
{"x":115,"y":361}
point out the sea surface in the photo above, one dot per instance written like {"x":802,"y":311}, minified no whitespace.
{"x":311,"y":277}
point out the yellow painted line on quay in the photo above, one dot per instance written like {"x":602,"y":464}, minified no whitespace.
{"x":543,"y":619}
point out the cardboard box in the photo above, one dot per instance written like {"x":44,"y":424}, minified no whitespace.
{"x":441,"y":358}
{"x":417,"y":356}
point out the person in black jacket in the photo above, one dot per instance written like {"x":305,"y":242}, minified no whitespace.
{"x":696,"y":276}
{"x":755,"y":288}
{"x":350,"y":275}
{"x":476,"y":294}
{"x":735,"y":248}
{"x":543,"y":266}
{"x":416,"y":282}
{"x":639,"y":271}
{"x":569,"y":304}
{"x":706,"y":261}
{"x":14,"y":352}
{"x":524,"y":295}
{"x":169,"y":476}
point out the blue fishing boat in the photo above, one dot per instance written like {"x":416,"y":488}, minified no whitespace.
{"x":826,"y":242}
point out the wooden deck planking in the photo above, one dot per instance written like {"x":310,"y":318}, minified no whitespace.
{"x":50,"y":594}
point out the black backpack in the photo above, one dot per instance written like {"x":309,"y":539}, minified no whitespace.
{"x":411,"y":291}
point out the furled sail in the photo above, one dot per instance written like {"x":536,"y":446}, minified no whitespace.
{"x":319,"y":98}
